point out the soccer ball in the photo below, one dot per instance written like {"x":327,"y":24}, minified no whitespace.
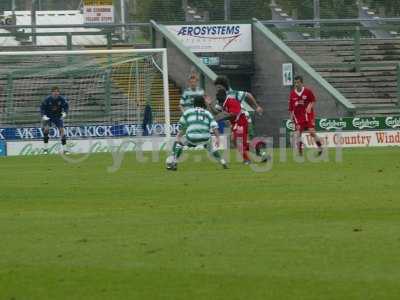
{"x":170,"y":162}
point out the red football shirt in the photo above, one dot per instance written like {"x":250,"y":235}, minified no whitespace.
{"x":298,"y":102}
{"x":233,"y":106}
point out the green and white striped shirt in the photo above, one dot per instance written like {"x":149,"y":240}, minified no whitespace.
{"x":197,"y":123}
{"x":239,"y":95}
{"x":188,"y":97}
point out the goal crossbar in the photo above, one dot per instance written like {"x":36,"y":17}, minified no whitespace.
{"x":62,"y":52}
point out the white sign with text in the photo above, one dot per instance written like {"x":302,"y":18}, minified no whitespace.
{"x":96,"y":145}
{"x":214,"y":37}
{"x":379,"y":138}
{"x":98,"y":14}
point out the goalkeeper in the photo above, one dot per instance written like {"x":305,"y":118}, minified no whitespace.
{"x":196,"y":124}
{"x":54,"y":109}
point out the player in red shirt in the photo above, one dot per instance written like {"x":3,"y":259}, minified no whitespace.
{"x":301,"y":108}
{"x":232,"y":110}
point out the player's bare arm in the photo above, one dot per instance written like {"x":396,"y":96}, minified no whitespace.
{"x":253,"y":102}
{"x":210,"y":107}
{"x":180,"y":135}
{"x":310,"y":107}
{"x":217,"y":140}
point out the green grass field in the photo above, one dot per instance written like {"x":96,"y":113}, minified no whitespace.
{"x":300,"y":231}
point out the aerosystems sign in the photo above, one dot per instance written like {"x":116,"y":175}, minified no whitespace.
{"x":214,"y":38}
{"x":89,"y":131}
{"x":354,"y":132}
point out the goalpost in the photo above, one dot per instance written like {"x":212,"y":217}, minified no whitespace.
{"x":108,"y":87}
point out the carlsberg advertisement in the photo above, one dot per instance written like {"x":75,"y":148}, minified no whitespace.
{"x":353,"y":132}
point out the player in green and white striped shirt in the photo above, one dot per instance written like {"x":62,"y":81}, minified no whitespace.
{"x":189,"y":93}
{"x":196,"y":124}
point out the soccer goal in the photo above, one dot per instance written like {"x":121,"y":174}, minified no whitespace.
{"x":127,"y":86}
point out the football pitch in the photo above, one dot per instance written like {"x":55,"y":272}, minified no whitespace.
{"x":327,"y":230}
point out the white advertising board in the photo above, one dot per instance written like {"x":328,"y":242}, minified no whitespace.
{"x":214,"y":37}
{"x":98,"y":11}
{"x":35,"y":147}
{"x":378,"y":138}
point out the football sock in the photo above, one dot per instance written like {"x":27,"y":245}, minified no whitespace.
{"x":177,"y":149}
{"x":63,"y":140}
{"x":46,"y":138}
{"x":260,"y":147}
{"x":218,"y":157}
{"x":300,"y":147}
{"x":245,"y":156}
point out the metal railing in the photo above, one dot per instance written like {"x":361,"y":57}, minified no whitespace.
{"x":132,"y":33}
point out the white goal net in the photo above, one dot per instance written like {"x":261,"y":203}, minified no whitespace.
{"x":102,"y":86}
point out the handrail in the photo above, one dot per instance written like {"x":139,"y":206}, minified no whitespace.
{"x":54,"y":33}
{"x":98,"y":26}
{"x":265,"y":22}
{"x":327,"y":21}
{"x":305,"y":66}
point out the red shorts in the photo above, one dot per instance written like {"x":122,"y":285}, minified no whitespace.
{"x":240,"y":132}
{"x":304,"y":122}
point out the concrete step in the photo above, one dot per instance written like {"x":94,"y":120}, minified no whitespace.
{"x":374,"y":58}
{"x":344,"y":53}
{"x":361,"y":101}
{"x":366,"y":74}
{"x":327,"y":71}
{"x":364,"y":81}
{"x":320,"y":59}
{"x":365,"y":42}
{"x":350,"y":68}
{"x":376,"y":112}
{"x":368,"y":94}
{"x":366,"y":89}
{"x":328,"y":50}
{"x":377,"y":106}
{"x":364,"y":52}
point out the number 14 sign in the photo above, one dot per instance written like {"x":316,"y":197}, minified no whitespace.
{"x":287,"y":74}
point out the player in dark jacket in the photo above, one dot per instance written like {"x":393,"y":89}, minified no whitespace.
{"x":54,"y":109}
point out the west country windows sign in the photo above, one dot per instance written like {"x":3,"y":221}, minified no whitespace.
{"x":353,"y":132}
{"x":214,"y":37}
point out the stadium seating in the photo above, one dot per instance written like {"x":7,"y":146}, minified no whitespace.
{"x":373,"y":90}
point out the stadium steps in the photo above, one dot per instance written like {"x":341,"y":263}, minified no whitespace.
{"x":381,"y":111}
{"x":372,"y":101}
{"x":373,"y":90}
